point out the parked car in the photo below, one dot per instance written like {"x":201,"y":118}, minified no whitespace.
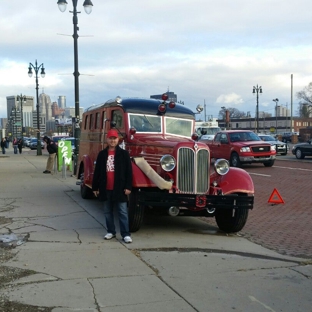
{"x":242,"y":147}
{"x":301,"y":150}
{"x":59,"y":137}
{"x":286,"y":136}
{"x":27,"y":141}
{"x":280,"y":147}
{"x":33,"y":143}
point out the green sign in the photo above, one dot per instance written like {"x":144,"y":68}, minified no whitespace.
{"x":64,"y":155}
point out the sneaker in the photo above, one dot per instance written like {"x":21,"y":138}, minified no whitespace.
{"x":109,"y":236}
{"x":127,"y":239}
{"x":46,"y":171}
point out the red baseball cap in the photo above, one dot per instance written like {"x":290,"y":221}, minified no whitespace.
{"x":112,"y":133}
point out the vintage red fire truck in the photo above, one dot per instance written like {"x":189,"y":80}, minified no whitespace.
{"x":172,"y":172}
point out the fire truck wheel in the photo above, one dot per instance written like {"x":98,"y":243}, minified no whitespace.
{"x":86,"y":192}
{"x":135,"y":211}
{"x":231,"y":220}
{"x":235,"y":161}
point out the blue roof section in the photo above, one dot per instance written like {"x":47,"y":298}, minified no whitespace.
{"x":147,"y":106}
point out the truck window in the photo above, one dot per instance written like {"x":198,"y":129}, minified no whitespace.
{"x":86,"y":122}
{"x":97,"y":121}
{"x":145,"y":123}
{"x":103,"y":120}
{"x":117,"y":116}
{"x":175,"y":126}
{"x":90,"y":122}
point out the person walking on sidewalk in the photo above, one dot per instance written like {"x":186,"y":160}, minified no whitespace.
{"x":3,"y":145}
{"x":52,"y":150}
{"x":15,"y":141}
{"x":20,"y":145}
{"x":112,"y":183}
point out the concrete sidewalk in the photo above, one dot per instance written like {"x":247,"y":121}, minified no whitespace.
{"x":173,"y":264}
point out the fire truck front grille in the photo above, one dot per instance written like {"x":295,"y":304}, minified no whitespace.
{"x":193,"y":171}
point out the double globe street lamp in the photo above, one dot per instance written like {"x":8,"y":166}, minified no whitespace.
{"x":76,"y":128}
{"x":257,"y":90}
{"x":276,"y":102}
{"x":30,"y":73}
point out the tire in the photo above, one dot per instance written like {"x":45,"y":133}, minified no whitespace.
{"x":229,"y":223}
{"x":135,"y":211}
{"x":235,"y":161}
{"x":269,"y":163}
{"x":299,"y":154}
{"x":85,"y":191}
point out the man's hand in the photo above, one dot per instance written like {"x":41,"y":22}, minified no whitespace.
{"x":127,"y":192}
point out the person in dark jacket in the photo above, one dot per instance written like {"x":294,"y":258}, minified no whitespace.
{"x":52,"y":150}
{"x":112,"y":183}
{"x":3,"y":145}
{"x":20,"y":145}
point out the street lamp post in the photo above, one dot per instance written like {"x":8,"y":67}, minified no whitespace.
{"x":257,"y":90}
{"x":76,"y":128}
{"x":21,"y":98}
{"x":276,"y":102}
{"x":30,"y":73}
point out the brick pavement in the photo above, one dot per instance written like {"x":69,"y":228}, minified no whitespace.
{"x":285,"y":228}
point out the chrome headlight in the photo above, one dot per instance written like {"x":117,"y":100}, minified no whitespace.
{"x":245,"y":149}
{"x":167,"y":162}
{"x":222,"y":166}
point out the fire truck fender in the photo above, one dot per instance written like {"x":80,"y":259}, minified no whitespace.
{"x":142,"y":170}
{"x":237,"y":180}
{"x":87,"y":169}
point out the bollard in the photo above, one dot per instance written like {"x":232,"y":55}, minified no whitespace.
{"x":64,"y":169}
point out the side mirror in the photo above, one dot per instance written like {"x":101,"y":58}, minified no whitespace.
{"x":113,"y":124}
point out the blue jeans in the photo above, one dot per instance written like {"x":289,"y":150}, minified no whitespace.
{"x":122,"y":209}
{"x":3,"y":150}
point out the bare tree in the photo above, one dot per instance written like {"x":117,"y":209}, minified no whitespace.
{"x":234,"y":113}
{"x":305,"y":103}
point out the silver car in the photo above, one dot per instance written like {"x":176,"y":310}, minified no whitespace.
{"x":281,"y":147}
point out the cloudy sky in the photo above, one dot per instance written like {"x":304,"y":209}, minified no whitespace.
{"x":210,"y":52}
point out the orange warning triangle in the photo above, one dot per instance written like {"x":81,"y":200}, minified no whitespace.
{"x":276,"y":198}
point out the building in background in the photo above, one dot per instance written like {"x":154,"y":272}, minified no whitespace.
{"x":45,"y":106}
{"x":282,"y":111}
{"x":61,"y":101}
{"x":14,"y":116}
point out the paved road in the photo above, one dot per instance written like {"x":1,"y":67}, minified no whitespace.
{"x":285,"y":228}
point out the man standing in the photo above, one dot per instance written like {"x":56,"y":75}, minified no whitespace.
{"x":52,"y":149}
{"x":112,"y":182}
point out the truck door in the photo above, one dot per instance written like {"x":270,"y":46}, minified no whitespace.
{"x":222,"y":146}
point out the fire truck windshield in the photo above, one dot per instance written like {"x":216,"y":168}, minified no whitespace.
{"x":175,"y":126}
{"x":154,"y":124}
{"x":145,"y":123}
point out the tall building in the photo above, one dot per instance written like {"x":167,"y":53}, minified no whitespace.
{"x":61,"y":101}
{"x":45,"y":106}
{"x":27,"y":107}
{"x":70,"y":111}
